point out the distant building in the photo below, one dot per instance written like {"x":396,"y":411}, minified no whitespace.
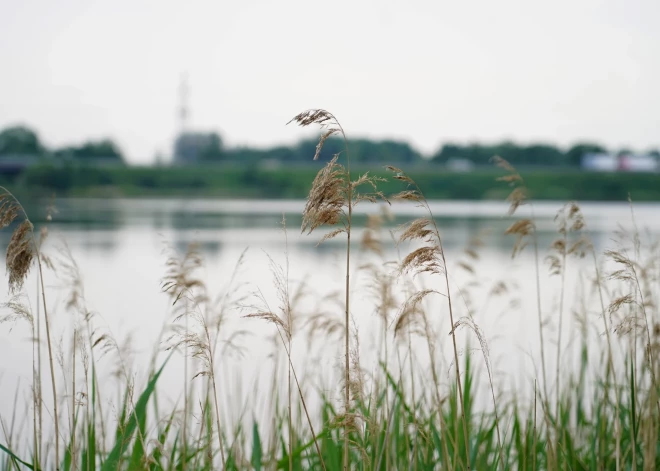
{"x":600,"y":162}
{"x":638,"y":163}
{"x":193,"y":147}
{"x":458,"y":164}
{"x":603,"y":162}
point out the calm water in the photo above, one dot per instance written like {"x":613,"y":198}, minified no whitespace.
{"x":119,"y":248}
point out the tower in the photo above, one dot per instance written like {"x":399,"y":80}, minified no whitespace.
{"x":184,"y":110}
{"x":180,"y":145}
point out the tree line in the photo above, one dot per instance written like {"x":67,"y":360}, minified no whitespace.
{"x":20,"y":141}
{"x":209,"y":148}
{"x":399,"y":152}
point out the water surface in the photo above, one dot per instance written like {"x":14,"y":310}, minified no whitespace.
{"x":119,"y":245}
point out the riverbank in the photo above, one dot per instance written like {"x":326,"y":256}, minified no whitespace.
{"x":294,"y":182}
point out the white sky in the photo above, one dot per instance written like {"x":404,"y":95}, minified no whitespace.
{"x":427,"y":72}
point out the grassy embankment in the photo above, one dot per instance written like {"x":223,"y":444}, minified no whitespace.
{"x":408,"y":412}
{"x":294,"y":182}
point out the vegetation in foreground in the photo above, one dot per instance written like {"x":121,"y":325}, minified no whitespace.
{"x":604,"y":414}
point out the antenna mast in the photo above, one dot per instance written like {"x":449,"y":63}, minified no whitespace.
{"x":184,"y":109}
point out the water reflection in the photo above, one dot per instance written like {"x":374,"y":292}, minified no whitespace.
{"x":456,"y":218}
{"x":96,"y":224}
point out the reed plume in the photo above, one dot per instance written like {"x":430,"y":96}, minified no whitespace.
{"x":330,"y":202}
{"x":23,"y":248}
{"x":283,"y":320}
{"x":429,"y":258}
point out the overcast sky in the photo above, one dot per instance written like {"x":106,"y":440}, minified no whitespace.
{"x":427,"y":72}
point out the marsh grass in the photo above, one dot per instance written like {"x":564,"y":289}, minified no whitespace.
{"x":420,"y":386}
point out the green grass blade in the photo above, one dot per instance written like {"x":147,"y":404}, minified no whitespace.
{"x":89,"y":453}
{"x":13,"y":456}
{"x":256,"y":448}
{"x":138,"y":414}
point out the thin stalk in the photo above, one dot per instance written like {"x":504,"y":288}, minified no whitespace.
{"x":184,"y":434}
{"x":210,"y":349}
{"x":497,"y":418}
{"x":534,"y":441}
{"x":347,"y":373}
{"x":559,"y":329}
{"x":289,"y":335}
{"x":35,"y":397}
{"x":458,"y":372}
{"x":302,"y":399}
{"x":610,"y":365}
{"x":48,"y":337}
{"x":50,"y":361}
{"x":412,"y":392}
{"x":200,"y":433}
{"x":39,"y":381}
{"x":633,"y":399}
{"x":541,"y":339}
{"x":453,"y":331}
{"x":217,"y":418}
{"x":288,"y":383}
{"x":73,"y":405}
{"x":539,"y":311}
{"x":434,"y":373}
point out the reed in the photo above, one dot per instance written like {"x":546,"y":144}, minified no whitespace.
{"x":429,"y":310}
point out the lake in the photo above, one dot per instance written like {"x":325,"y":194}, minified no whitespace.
{"x":119,"y":245}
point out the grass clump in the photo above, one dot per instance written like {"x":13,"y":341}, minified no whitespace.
{"x":413,"y":398}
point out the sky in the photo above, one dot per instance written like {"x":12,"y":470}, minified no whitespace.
{"x":428,"y":72}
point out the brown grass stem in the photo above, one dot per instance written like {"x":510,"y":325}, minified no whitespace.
{"x":35,"y":245}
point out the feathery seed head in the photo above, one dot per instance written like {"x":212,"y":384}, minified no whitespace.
{"x":418,"y":229}
{"x":19,"y":255}
{"x":521,"y":229}
{"x":323,"y":118}
{"x":326,"y":198}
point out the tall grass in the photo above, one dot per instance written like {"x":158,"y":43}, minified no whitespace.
{"x":598,"y":408}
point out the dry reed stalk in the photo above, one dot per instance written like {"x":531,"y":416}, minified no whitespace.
{"x":22,"y":249}
{"x":180,"y":283}
{"x":645,"y":295}
{"x":284,"y":325}
{"x":633,"y":271}
{"x":66,"y":269}
{"x":330,"y":202}
{"x":429,"y":258}
{"x":586,"y":244}
{"x":74,"y":462}
{"x":381,"y":283}
{"x":569,"y":221}
{"x":471,"y":254}
{"x":406,"y":321}
{"x":524,"y":229}
{"x":535,"y":435}
{"x":413,"y":320}
{"x":20,"y":310}
{"x":289,"y":321}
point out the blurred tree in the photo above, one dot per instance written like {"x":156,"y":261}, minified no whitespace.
{"x":479,"y":154}
{"x":20,"y":140}
{"x":542,"y":155}
{"x":212,"y":151}
{"x":446,"y":152}
{"x":575,"y":153}
{"x":362,"y":151}
{"x":89,"y":151}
